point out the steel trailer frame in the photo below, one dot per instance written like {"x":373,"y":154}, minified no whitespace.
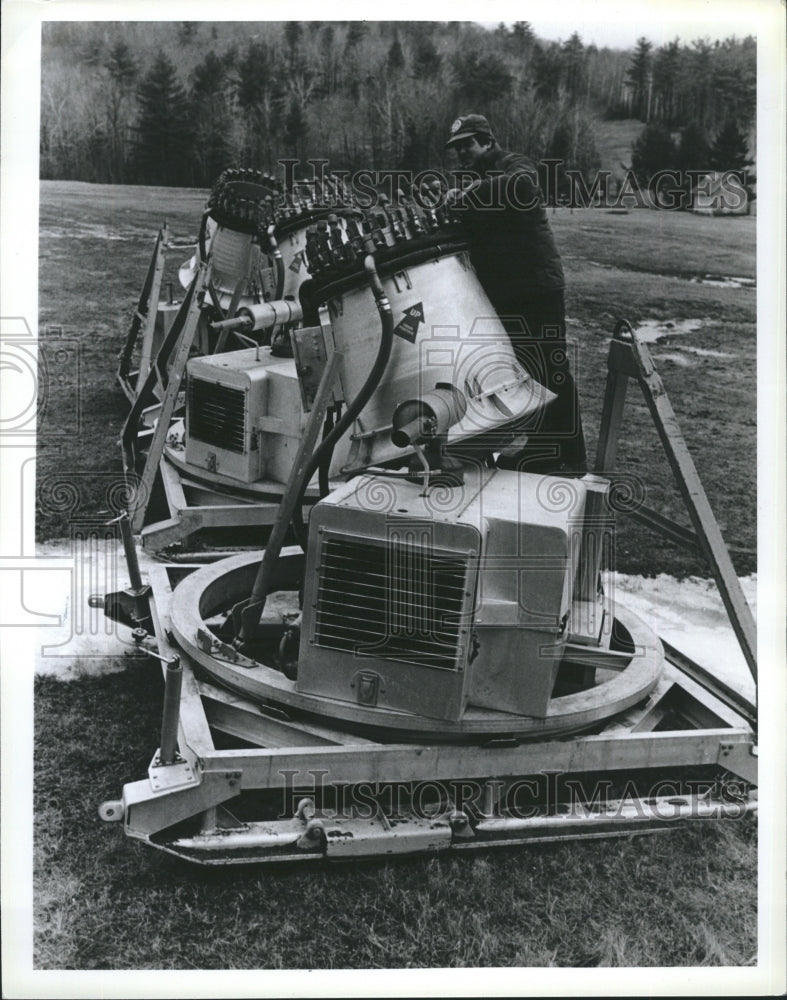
{"x":689,"y":723}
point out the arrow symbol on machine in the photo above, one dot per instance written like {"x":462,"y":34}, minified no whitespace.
{"x":408,"y":327}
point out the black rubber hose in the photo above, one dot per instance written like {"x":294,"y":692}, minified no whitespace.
{"x":279,"y":273}
{"x":325,"y":485}
{"x":202,"y":245}
{"x":279,"y":263}
{"x":361,"y":399}
{"x":390,"y":260}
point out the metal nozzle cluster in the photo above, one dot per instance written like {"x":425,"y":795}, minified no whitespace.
{"x":341,"y":233}
{"x":338,"y":243}
{"x":243,"y":199}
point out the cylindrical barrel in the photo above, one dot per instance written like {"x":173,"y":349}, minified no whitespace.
{"x":231,"y":253}
{"x":447,"y":334}
{"x":265,"y":315}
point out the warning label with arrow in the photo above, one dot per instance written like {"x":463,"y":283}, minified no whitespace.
{"x":408,"y":327}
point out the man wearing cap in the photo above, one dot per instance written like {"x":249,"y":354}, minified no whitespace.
{"x":514,"y":254}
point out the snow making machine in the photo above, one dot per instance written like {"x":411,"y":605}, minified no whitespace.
{"x":440,"y":662}
{"x":188,"y":495}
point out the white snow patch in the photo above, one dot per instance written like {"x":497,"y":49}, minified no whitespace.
{"x":74,"y":639}
{"x":690,"y":615}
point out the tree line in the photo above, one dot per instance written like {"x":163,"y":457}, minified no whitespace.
{"x":175,"y":103}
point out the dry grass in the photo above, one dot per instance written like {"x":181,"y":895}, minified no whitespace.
{"x":102,"y":902}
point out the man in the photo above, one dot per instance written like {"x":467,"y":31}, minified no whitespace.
{"x":517,"y":262}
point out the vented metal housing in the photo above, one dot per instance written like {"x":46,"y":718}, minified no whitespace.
{"x":388,"y":609}
{"x":217,"y":414}
{"x":393,"y":599}
{"x":243,"y":415}
{"x":428,"y":603}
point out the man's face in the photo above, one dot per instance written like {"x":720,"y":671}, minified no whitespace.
{"x":469,"y":152}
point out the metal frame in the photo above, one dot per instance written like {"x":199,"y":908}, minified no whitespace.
{"x":144,"y":320}
{"x":166,"y":377}
{"x":688,"y":720}
{"x":291,"y":755}
{"x":629,"y":358}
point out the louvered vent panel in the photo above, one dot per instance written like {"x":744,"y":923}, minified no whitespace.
{"x":393,"y":601}
{"x":217,"y":415}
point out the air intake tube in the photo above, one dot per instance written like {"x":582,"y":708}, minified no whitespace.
{"x":418,"y":420}
{"x":423,"y":423}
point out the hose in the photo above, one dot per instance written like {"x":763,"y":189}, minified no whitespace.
{"x":277,"y":257}
{"x":325,"y":450}
{"x":325,"y":485}
{"x":390,"y":260}
{"x":203,"y":229}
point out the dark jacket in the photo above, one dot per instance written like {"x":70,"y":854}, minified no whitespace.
{"x":511,"y":243}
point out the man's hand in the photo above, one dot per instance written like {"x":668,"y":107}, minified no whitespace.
{"x":454,"y":198}
{"x":430,"y":192}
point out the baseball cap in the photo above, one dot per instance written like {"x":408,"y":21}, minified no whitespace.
{"x":466,"y":126}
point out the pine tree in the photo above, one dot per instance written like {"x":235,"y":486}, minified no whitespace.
{"x":523,"y":36}
{"x":638,"y":77}
{"x":730,"y":150}
{"x":294,"y":128}
{"x":292,"y":36}
{"x":693,"y":152}
{"x":254,"y":75}
{"x":212,"y":118}
{"x":547,"y":70}
{"x":164,"y":131}
{"x":187,"y":32}
{"x":395,"y":59}
{"x":480,"y":77}
{"x":356,"y":33}
{"x":120,"y":63}
{"x":573,"y":58}
{"x":426,"y":59}
{"x":122,"y":70}
{"x":666,"y":64}
{"x":654,"y":150}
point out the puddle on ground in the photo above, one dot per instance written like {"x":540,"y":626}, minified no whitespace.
{"x":86,"y":229}
{"x":724,"y":281}
{"x":652,"y":330}
{"x":712,"y":280}
{"x":705,"y":353}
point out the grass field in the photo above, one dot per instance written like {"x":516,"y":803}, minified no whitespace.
{"x":686,"y":897}
{"x":102,"y":902}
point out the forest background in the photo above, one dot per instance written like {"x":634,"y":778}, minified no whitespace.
{"x":175,"y":103}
